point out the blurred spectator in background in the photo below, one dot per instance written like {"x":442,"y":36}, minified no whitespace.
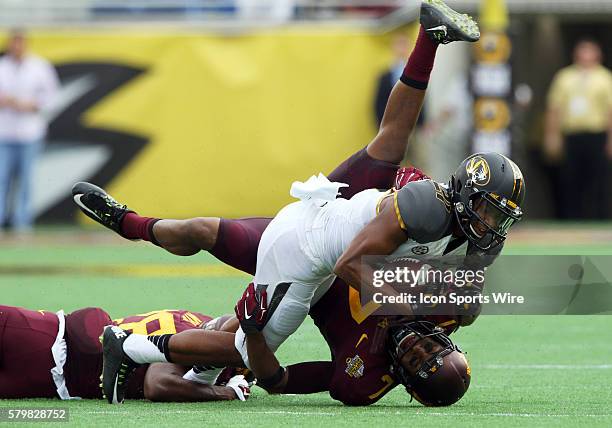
{"x":275,"y":10}
{"x":400,"y":45}
{"x":27,"y":84}
{"x":579,"y":132}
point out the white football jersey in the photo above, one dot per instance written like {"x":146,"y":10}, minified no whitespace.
{"x":326,"y":232}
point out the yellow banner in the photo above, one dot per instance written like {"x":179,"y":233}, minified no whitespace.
{"x":231,"y":121}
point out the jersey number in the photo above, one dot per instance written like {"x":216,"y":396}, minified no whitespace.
{"x":358,"y":312}
{"x":442,"y":196}
{"x":159,"y":322}
{"x":388,"y":380}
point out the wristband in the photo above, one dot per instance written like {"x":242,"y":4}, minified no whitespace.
{"x":273,"y":380}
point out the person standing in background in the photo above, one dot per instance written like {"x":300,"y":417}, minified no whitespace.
{"x":28,"y":85}
{"x":400,"y":46}
{"x":579,"y":132}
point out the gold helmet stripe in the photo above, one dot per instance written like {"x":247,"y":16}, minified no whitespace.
{"x":518,"y":179}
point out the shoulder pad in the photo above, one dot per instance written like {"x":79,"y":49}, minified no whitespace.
{"x":423,"y":209}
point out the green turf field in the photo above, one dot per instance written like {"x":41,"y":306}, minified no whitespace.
{"x":526,"y":371}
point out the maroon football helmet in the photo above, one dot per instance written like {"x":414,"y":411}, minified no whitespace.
{"x":432,"y":368}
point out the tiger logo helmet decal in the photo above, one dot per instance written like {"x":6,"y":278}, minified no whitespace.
{"x":478,"y":170}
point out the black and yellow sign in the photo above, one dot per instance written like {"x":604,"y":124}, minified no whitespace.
{"x":492,"y":81}
{"x":491,"y":114}
{"x":203,"y":124}
{"x":493,"y":48}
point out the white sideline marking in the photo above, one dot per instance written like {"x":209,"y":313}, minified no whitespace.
{"x":512,"y":415}
{"x":548,"y":366}
{"x":267,"y":412}
{"x":372,"y":411}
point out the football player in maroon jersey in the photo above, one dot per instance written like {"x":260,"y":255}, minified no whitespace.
{"x":48,"y":354}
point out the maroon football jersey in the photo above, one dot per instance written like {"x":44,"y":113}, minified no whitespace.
{"x":83,"y":330}
{"x":26,"y":338}
{"x":357,"y":340}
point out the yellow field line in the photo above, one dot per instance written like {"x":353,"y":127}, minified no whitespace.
{"x":137,"y":270}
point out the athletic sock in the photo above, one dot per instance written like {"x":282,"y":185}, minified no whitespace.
{"x":134,"y":226}
{"x":148,"y":349}
{"x":206,"y":375}
{"x":421,"y":61}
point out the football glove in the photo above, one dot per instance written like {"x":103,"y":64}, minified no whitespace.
{"x":252,"y":309}
{"x":240,"y":386}
{"x":407,"y":175}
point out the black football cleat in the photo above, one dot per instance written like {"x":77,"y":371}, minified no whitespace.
{"x":117,"y":366}
{"x":444,"y":25}
{"x":99,"y":205}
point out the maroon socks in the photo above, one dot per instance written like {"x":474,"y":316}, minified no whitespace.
{"x":134,"y":226}
{"x":421,"y":61}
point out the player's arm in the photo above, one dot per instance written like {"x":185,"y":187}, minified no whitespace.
{"x":383,"y":235}
{"x":227,"y":323}
{"x":301,"y":378}
{"x":230,"y":325}
{"x":419,"y":210}
{"x":164,"y":382}
{"x":270,"y":375}
{"x":252,"y":313}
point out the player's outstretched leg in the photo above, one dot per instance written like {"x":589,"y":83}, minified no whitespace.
{"x":180,"y":237}
{"x":444,"y":25}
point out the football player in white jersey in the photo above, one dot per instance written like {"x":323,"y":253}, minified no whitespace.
{"x":312,"y":241}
